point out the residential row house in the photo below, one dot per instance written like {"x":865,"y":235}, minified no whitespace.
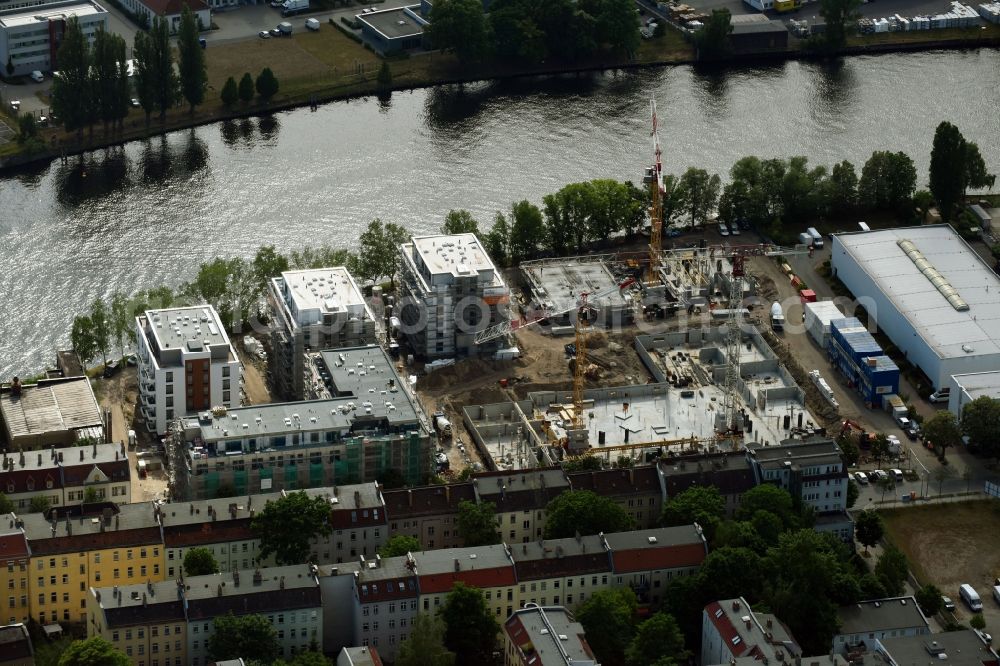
{"x":545,"y":636}
{"x":14,"y":556}
{"x":71,"y":555}
{"x":383,"y":595}
{"x":98,"y":472}
{"x":171,"y":623}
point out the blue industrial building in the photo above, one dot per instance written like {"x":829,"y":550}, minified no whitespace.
{"x":857,"y":355}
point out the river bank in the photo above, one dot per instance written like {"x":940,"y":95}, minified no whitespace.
{"x":315,"y":68}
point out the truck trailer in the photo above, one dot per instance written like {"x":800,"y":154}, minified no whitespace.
{"x":290,"y":7}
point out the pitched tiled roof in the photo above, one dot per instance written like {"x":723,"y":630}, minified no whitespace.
{"x":178,"y":536}
{"x":427,"y":500}
{"x":613,"y":482}
{"x":13,"y":546}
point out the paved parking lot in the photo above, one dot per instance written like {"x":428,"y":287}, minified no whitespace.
{"x":246,"y":22}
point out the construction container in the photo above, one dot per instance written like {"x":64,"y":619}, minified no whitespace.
{"x":818,"y":318}
{"x":807,"y":296}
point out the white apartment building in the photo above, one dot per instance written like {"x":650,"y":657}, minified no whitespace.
{"x":451,"y":290}
{"x":313,"y":310}
{"x":186,"y":364}
{"x":30,"y":35}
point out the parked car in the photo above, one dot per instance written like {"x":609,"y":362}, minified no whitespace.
{"x":913,"y":432}
{"x":897,"y":474}
{"x":947,"y":603}
{"x":275,"y":32}
{"x":37,"y":76}
{"x":135,"y":102}
{"x":264,"y":34}
{"x":111,"y":369}
{"x":723,"y":229}
{"x":861,"y":478}
{"x":941,"y":395}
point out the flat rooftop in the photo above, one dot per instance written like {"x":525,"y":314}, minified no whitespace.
{"x":194,"y":329}
{"x":310,"y":294}
{"x":557,"y":285}
{"x":549,"y":636}
{"x":947,"y":330}
{"x":880,"y":615}
{"x":978,"y":384}
{"x":393,"y":23}
{"x":361,"y":372}
{"x":799,"y":453}
{"x":962,"y":648}
{"x":460,"y":255}
{"x":44,"y":13}
{"x":50,"y":407}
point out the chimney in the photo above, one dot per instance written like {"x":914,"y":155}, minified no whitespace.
{"x":236,"y":578}
{"x":21,"y":459}
{"x":60,"y":456}
{"x":409,"y":493}
{"x":39,"y":459}
{"x":447,"y":493}
{"x":117,"y":521}
{"x":15,"y":387}
{"x":143,"y":599}
{"x":81,"y":455}
{"x":458,"y":566}
{"x":281,"y":583}
{"x":220,"y":589}
{"x":747,"y":622}
{"x":192,"y":509}
{"x":52,"y":452}
{"x":95,"y":450}
{"x":257,"y":578}
{"x":769,"y":623}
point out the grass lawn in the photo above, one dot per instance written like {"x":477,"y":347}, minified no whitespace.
{"x":949,"y":544}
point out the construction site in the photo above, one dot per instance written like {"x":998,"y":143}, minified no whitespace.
{"x":665,"y":358}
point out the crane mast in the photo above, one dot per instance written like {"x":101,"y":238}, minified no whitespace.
{"x":654,"y":177}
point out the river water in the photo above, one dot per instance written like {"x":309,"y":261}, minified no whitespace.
{"x":150,"y":212}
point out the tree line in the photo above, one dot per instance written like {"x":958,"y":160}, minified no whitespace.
{"x":530,"y":32}
{"x":93,"y":83}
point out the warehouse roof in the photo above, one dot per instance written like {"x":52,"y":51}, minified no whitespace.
{"x":50,"y":406}
{"x":978,"y":384}
{"x":930,"y":279}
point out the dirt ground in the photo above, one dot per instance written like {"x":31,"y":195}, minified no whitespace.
{"x":951,"y":544}
{"x":255,"y":391}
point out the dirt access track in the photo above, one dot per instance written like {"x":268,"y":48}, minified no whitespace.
{"x":949,"y":544}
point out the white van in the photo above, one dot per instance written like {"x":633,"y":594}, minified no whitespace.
{"x":312,"y":24}
{"x":816,"y":236}
{"x":996,"y":593}
{"x":864,"y":226}
{"x":970,"y":597}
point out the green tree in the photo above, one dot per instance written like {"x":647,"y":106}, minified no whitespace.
{"x":977,"y":621}
{"x":768,"y":497}
{"x":892,"y":570}
{"x":460,"y":222}
{"x":853,"y":492}
{"x":39,"y":504}
{"x":384,"y":77}
{"x":880,"y":447}
{"x":804,"y":570}
{"x":516,"y":36}
{"x":839,"y":16}
{"x":929,"y":598}
{"x":165,"y":84}
{"x":90,"y":495}
{"x":582,"y":463}
{"x":956,"y":165}
{"x":121,"y":319}
{"x":868,"y":528}
{"x":230,"y":92}
{"x":191,"y":60}
{"x":200,"y":562}
{"x":477,"y":523}
{"x":95,"y":651}
{"x":942,"y":431}
{"x":981,"y":423}
{"x":425,"y":644}
{"x":145,"y":72}
{"x":286,"y":525}
{"x":309,"y":658}
{"x":608,"y":617}
{"x":497,"y":241}
{"x":240,"y":636}
{"x":584,"y":512}
{"x":698,"y":504}
{"x":713,"y":39}
{"x":267,"y":84}
{"x":616,"y":26}
{"x":527,"y":230}
{"x":844,"y":187}
{"x":109,"y":77}
{"x":658,"y":641}
{"x":6,"y":506}
{"x":82,"y":338}
{"x":849,"y":449}
{"x":100,"y":327}
{"x":947,"y":170}
{"x":470,"y":628}
{"x":72,"y":93}
{"x":460,"y":26}
{"x":246,"y":88}
{"x":379,"y":250}
{"x":321,"y":257}
{"x":401,"y":544}
{"x":888,"y":181}
{"x":26,"y":127}
{"x":699,"y":191}
{"x":267,"y":263}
